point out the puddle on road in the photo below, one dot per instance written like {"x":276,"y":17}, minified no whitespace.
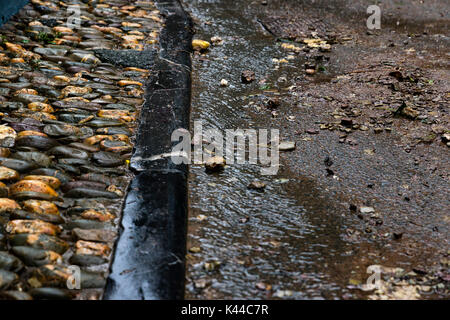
{"x":288,"y":237}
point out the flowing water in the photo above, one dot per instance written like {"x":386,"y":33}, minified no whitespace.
{"x":284,"y":242}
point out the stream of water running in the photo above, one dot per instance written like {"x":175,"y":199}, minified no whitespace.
{"x":287,"y":237}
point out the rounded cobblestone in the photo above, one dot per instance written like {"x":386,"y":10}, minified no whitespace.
{"x":67,"y":126}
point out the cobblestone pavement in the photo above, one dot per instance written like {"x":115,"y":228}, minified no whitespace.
{"x":66,"y":137}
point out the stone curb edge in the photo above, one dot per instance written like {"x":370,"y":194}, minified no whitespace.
{"x":149,"y":259}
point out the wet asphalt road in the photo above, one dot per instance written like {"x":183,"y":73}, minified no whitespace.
{"x":288,"y":236}
{"x":297,"y":239}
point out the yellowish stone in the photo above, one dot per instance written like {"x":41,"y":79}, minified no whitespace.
{"x":75,"y":90}
{"x":40,"y":106}
{"x":32,"y":226}
{"x":131,"y":24}
{"x":75,"y":99}
{"x":92,"y":248}
{"x":200,"y":44}
{"x":53,"y":182}
{"x":121,"y":137}
{"x":15,"y":48}
{"x":96,"y":139}
{"x":7,"y":136}
{"x":40,"y":207}
{"x":35,"y":23}
{"x":24,"y":188}
{"x":62,"y":29}
{"x":4,"y":152}
{"x":20,"y":51}
{"x":26,"y":91}
{"x":8,"y":205}
{"x":30,"y":133}
{"x":61,"y":78}
{"x":136,"y":69}
{"x":17,"y":60}
{"x":4,"y":58}
{"x":215,"y":163}
{"x":92,"y":214}
{"x":8,"y":174}
{"x":40,"y":116}
{"x":123,"y":83}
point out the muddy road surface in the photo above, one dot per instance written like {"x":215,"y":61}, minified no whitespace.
{"x":366,"y":184}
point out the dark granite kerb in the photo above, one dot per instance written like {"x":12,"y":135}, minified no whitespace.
{"x":149,"y":260}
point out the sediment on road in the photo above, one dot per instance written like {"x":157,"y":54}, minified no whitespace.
{"x":366,"y":115}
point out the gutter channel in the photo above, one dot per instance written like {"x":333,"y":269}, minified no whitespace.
{"x":149,"y":258}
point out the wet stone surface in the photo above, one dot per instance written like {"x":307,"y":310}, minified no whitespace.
{"x":68,"y":119}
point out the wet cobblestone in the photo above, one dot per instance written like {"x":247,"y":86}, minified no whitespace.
{"x":66,"y":135}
